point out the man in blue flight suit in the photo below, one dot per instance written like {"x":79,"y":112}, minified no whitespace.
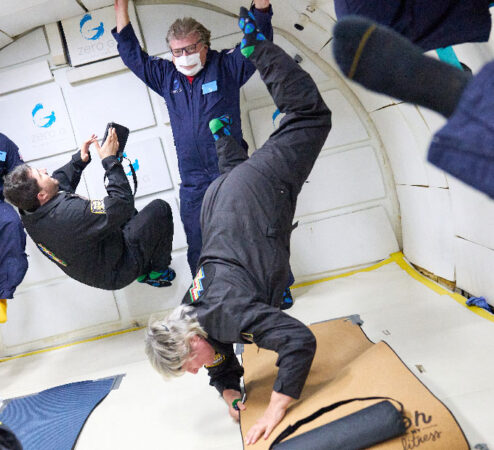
{"x":13,"y":260}
{"x":428,"y":24}
{"x":199,"y":85}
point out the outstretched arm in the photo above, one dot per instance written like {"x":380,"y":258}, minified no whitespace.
{"x":122,"y":14}
{"x":69,"y":175}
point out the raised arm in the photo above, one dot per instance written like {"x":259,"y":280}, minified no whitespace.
{"x":69,"y":175}
{"x":105,"y":216}
{"x":152,"y":71}
{"x":122,"y":14}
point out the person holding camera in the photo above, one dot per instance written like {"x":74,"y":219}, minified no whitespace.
{"x":102,"y":243}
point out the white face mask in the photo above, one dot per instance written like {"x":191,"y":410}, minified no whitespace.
{"x":189,"y":60}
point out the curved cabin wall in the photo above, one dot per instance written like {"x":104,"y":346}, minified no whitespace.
{"x":371,"y":192}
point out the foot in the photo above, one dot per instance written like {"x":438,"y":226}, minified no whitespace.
{"x":220,"y":127}
{"x":3,"y":310}
{"x":252,"y":35}
{"x":158,"y":279}
{"x":287,"y":302}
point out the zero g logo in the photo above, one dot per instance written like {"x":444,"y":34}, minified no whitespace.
{"x":40,"y":119}
{"x":88,"y":31}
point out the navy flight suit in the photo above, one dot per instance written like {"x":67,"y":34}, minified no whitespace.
{"x":430,"y":24}
{"x":13,"y":260}
{"x":101,"y":243}
{"x":246,"y":226}
{"x":214,"y":91}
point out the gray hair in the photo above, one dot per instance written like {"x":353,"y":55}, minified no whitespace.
{"x":168,"y":340}
{"x":21,"y":188}
{"x":182,"y":28}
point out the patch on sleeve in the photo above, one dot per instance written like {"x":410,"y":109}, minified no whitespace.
{"x":218,"y":359}
{"x":3,"y":156}
{"x":200,"y":284}
{"x":51,"y":255}
{"x":98,"y":207}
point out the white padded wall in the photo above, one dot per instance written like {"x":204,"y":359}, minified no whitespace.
{"x":37,"y":121}
{"x":474,"y":266}
{"x":30,"y":46}
{"x":341,"y":242}
{"x":340,"y":179}
{"x":19,"y":16}
{"x":428,"y":228}
{"x":89,"y":35}
{"x":93,"y":104}
{"x":54,"y":308}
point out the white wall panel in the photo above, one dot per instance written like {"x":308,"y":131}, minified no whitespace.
{"x":341,"y":179}
{"x":56,"y":308}
{"x":346,"y":125}
{"x":179,"y":239}
{"x":24,"y":76}
{"x":474,"y":269}
{"x":473,"y":213}
{"x":4,"y":39}
{"x":122,"y":98}
{"x":156,"y":19}
{"x":95,"y":4}
{"x":38,"y":131}
{"x":422,"y":136}
{"x":30,"y":46}
{"x":401,"y":147}
{"x":148,"y":160}
{"x":428,"y":229}
{"x":20,"y":16}
{"x":341,"y":242}
{"x":89,"y":35}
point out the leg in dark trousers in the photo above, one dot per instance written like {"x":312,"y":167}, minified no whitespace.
{"x":149,"y":236}
{"x":291,"y":151}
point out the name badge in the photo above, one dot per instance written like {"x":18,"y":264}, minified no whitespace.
{"x":207,"y":88}
{"x":3,"y":156}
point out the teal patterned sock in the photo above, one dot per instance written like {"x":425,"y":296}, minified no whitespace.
{"x":252,"y":35}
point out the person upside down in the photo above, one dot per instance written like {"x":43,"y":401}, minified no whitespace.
{"x":246,"y":222}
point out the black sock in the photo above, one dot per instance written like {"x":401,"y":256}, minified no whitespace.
{"x":384,"y":61}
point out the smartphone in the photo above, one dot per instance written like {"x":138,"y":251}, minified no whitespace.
{"x":122,"y":135}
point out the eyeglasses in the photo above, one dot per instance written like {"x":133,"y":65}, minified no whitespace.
{"x":189,"y":50}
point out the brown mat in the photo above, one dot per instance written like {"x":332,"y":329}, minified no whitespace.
{"x":348,"y":365}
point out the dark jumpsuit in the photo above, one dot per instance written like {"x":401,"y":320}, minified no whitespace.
{"x":13,"y":259}
{"x":214,"y":91}
{"x":101,"y":243}
{"x":430,"y":24}
{"x":246,"y":226}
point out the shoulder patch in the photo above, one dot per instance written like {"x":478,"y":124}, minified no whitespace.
{"x":218,"y":359}
{"x":98,"y":207}
{"x":200,"y":284}
{"x":51,"y":255}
